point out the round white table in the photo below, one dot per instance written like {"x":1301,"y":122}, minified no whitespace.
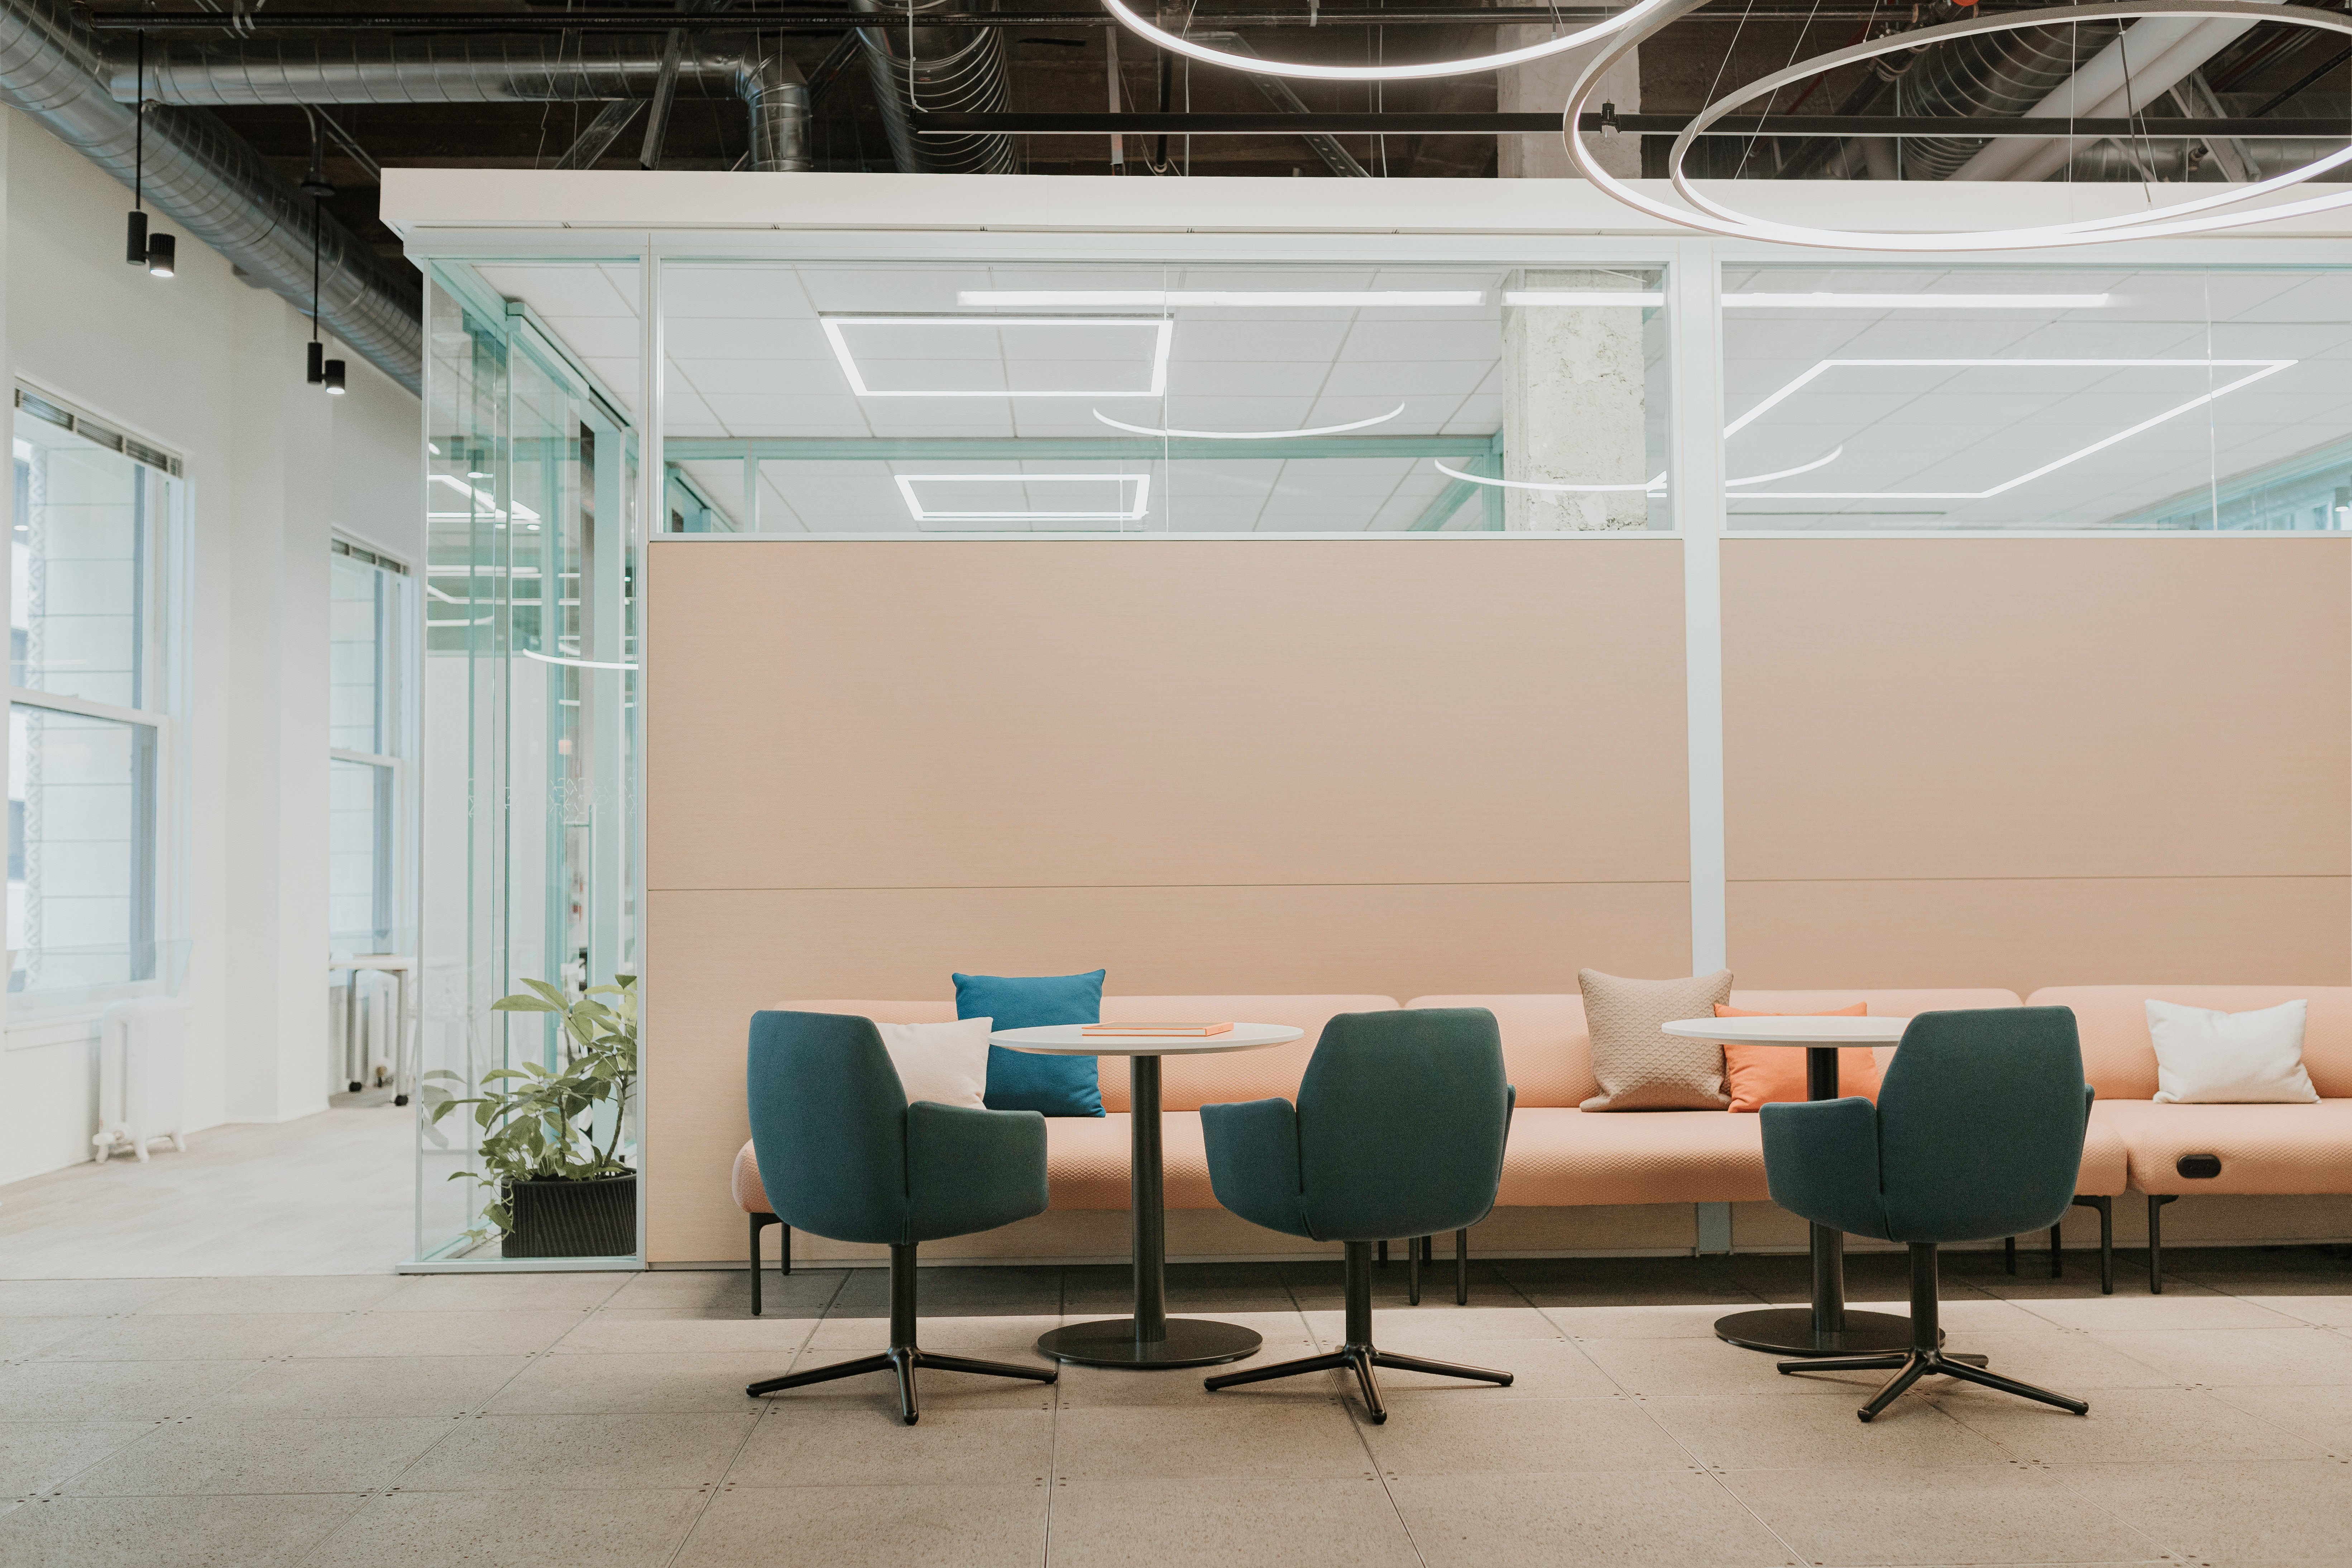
{"x":1151,"y":1339}
{"x":1825,"y":1328}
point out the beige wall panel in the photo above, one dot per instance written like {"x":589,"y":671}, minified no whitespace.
{"x":2037,"y":708}
{"x":1084,"y":713}
{"x":2247,"y":931}
{"x":715,"y":958}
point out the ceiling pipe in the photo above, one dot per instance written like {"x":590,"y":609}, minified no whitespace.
{"x":529,"y":68}
{"x":213,"y":185}
{"x":951,"y":70}
{"x":2121,"y":79}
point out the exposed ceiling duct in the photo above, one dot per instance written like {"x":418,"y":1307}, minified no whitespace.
{"x":213,"y":185}
{"x":521,"y":67}
{"x":2121,"y":79}
{"x":940,"y":70}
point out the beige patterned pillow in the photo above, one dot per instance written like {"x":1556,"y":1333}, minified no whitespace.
{"x":1638,"y":1066}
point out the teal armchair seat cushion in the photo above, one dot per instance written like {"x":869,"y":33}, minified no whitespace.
{"x":1399,"y":1130}
{"x":1051,"y":1086}
{"x":1977,"y":1135}
{"x":842,"y":1154}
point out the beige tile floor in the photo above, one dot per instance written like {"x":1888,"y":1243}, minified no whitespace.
{"x":598,"y":1421}
{"x":330,"y":1193}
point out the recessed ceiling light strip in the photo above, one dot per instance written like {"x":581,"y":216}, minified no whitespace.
{"x":1250,"y":435}
{"x":1354,"y":298}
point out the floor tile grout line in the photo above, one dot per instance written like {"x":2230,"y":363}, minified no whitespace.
{"x":1709,"y":1471}
{"x":1347,"y":1409}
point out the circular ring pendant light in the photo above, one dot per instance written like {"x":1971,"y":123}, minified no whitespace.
{"x":2199,"y":216}
{"x":1259,"y":65}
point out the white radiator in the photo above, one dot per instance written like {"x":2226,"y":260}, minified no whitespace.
{"x":141,"y":1084}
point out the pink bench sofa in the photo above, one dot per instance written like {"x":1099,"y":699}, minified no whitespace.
{"x":2176,"y":1150}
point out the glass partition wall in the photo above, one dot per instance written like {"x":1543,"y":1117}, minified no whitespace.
{"x":946,"y":392}
{"x":528,"y":754}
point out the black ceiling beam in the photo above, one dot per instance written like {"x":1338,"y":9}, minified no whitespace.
{"x":801,"y":18}
{"x":1372,"y":123}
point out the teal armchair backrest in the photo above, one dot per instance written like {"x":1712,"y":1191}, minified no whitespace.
{"x":842,"y":1154}
{"x":828,"y":1125}
{"x":1402,"y":1122}
{"x":1980,"y":1123}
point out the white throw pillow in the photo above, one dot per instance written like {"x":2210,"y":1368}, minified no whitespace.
{"x":945,"y":1062}
{"x":2204,"y":1057}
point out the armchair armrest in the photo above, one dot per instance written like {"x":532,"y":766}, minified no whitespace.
{"x":1820,"y":1158}
{"x":971,"y":1170}
{"x":1254,"y":1162}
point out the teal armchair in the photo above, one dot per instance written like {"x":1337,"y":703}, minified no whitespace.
{"x":842,"y":1154}
{"x":1977,"y":1135}
{"x":1399,"y":1130}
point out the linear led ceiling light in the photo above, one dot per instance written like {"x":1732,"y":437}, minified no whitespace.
{"x":1258,"y":65}
{"x":1629,"y":28}
{"x":1603,"y":297}
{"x":1654,"y":487}
{"x":1250,"y":435}
{"x":1914,"y":302}
{"x":1161,"y":329}
{"x":1156,"y":296}
{"x":1129,"y":507}
{"x":2261,"y":368}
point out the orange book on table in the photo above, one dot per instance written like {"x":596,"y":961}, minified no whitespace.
{"x":1181,"y":1031}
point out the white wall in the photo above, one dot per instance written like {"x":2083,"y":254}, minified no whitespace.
{"x":213,"y":370}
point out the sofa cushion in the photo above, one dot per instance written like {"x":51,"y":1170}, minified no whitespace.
{"x":1758,"y":1075}
{"x":2106,"y":1159}
{"x":1087,"y":1161}
{"x":1639,"y":1067}
{"x":1548,"y":1051}
{"x":2120,"y":1060}
{"x":1560,"y":1157}
{"x":2264,"y":1149}
{"x":750,"y":1196}
{"x":1019,"y":1080}
{"x":2205,"y":1057}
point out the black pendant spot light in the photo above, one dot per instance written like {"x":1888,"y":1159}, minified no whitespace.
{"x":159,"y":253}
{"x":318,"y":370}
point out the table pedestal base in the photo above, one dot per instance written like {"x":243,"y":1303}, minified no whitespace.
{"x":1788,"y":1330}
{"x":1111,"y":1341}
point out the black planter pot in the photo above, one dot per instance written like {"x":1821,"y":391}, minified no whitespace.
{"x":594,"y":1218}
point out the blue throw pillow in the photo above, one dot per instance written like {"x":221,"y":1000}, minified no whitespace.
{"x":1057,"y":1086}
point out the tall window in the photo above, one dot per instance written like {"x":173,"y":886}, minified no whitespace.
{"x":367,"y":737}
{"x":91,"y":632}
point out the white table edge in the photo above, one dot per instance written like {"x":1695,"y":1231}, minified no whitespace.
{"x":1148,"y":1045}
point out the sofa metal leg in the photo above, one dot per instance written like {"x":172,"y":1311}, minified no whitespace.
{"x":2009,"y":1254}
{"x":2155,"y":1202}
{"x":760,"y":1222}
{"x":786,"y":1250}
{"x":2106,"y":1211}
{"x":1461,"y":1268}
{"x":1412,"y":1270}
{"x":1384,"y":1252}
{"x":2057,"y":1256}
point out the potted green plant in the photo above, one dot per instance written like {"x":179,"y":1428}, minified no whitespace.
{"x":556,"y":1190}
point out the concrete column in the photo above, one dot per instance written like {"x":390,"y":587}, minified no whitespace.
{"x":1541,"y":87}
{"x":1574,"y":408}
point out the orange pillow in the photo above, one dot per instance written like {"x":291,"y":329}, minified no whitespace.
{"x":1758,"y":1075}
